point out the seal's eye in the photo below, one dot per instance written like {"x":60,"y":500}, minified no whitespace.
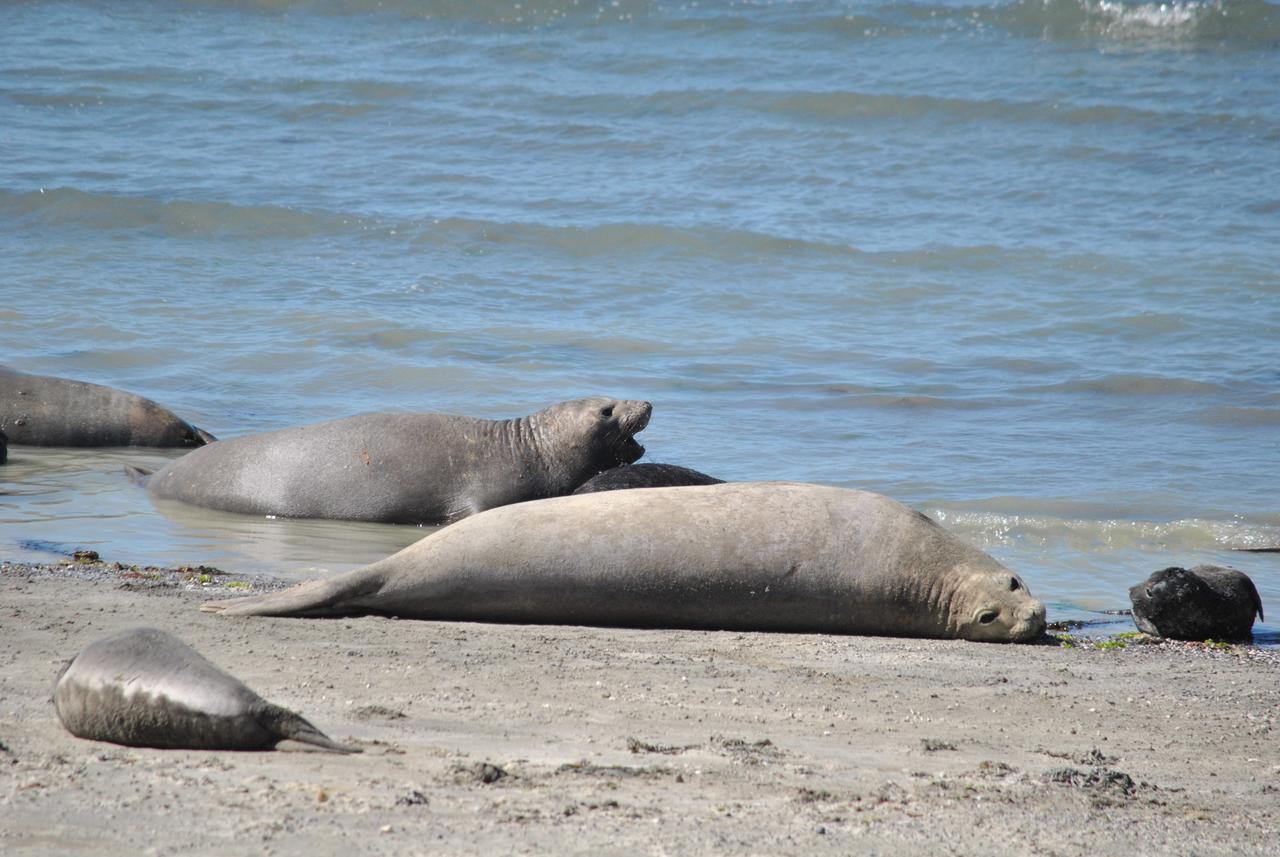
{"x":1014,"y":585}
{"x":988,"y":617}
{"x":606,"y":411}
{"x":1148,"y":591}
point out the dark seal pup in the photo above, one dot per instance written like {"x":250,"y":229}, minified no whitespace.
{"x":762,"y":556}
{"x":408,"y":468}
{"x":146,"y":688}
{"x":1207,"y":602}
{"x":645,"y":476}
{"x":41,"y":410}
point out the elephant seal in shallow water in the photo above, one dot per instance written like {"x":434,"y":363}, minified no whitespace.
{"x":41,"y":410}
{"x":408,"y":468}
{"x":762,"y":556}
{"x":1202,"y":603}
{"x":645,"y":476}
{"x":146,"y":688}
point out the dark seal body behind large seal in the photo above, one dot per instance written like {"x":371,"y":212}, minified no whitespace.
{"x":41,"y":410}
{"x":146,"y":688}
{"x":1208,"y":602}
{"x":765,"y":556}
{"x":408,"y":468}
{"x":648,"y":475}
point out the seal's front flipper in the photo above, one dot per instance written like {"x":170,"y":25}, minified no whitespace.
{"x":288,"y":725}
{"x":137,"y":475}
{"x":335,"y":597}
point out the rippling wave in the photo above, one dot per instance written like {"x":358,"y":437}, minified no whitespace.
{"x":1110,"y":534}
{"x":61,"y":207}
{"x":1239,"y":23}
{"x":1171,"y":25}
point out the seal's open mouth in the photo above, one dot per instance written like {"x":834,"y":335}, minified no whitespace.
{"x":632,"y":421}
{"x":631,"y":451}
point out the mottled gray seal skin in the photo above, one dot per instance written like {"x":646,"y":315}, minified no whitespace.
{"x":764,"y":556}
{"x":145,"y":688}
{"x":41,"y":410}
{"x":648,"y":475}
{"x":1208,"y":602}
{"x":408,"y":468}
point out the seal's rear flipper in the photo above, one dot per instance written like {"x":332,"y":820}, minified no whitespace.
{"x":294,"y":727}
{"x":137,"y":475}
{"x":313,"y":598}
{"x":203,"y":435}
{"x":1257,"y":599}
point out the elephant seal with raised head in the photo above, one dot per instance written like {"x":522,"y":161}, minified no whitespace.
{"x":145,"y":688}
{"x":1202,"y":603}
{"x":41,"y":410}
{"x":749,"y":556}
{"x":408,"y":468}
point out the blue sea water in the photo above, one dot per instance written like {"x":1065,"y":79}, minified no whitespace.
{"x":1016,"y":264}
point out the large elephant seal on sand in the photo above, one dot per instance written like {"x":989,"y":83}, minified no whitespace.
{"x":762,"y":556}
{"x":41,"y":410}
{"x":408,"y":468}
{"x":1202,"y":603}
{"x":146,"y":688}
{"x":647,"y":475}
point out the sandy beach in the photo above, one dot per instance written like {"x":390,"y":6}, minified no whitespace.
{"x":493,"y":739}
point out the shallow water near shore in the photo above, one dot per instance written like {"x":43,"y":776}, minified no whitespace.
{"x":1014,"y":264}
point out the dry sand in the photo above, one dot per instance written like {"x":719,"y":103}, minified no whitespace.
{"x":493,"y":739}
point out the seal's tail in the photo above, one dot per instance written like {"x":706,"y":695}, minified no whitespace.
{"x":294,"y":727}
{"x":334,"y":597}
{"x":137,"y":475}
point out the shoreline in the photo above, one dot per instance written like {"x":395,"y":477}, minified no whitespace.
{"x":533,"y":739}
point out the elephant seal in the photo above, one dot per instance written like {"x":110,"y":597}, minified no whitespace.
{"x":41,"y":410}
{"x":1202,"y":603}
{"x":762,"y":556}
{"x":145,"y":688}
{"x":645,"y":476}
{"x":408,"y":468}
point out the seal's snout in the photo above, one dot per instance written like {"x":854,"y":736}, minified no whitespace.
{"x":1031,"y":621}
{"x":636,"y":415}
{"x":632,"y":417}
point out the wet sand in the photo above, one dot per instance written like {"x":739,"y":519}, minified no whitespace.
{"x":512,"y":739}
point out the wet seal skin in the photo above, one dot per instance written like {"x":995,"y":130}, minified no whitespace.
{"x":763,"y":556}
{"x":407,"y":468}
{"x":647,"y":475}
{"x":145,"y":688}
{"x":1208,"y":602}
{"x":41,"y":410}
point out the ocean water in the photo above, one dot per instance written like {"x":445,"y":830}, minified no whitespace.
{"x":1016,"y":264}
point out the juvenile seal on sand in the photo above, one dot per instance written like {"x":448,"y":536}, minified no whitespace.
{"x":146,"y":688}
{"x":41,"y":410}
{"x":407,"y":468}
{"x":645,"y":476}
{"x":764,"y":556}
{"x":1202,"y":603}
